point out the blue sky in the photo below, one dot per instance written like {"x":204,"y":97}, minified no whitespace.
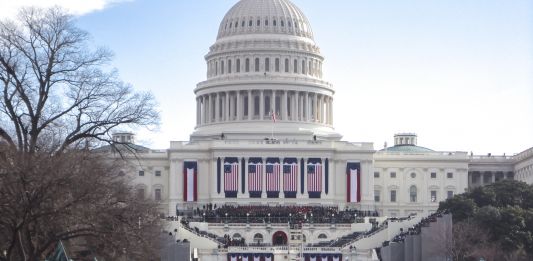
{"x":459,"y":73}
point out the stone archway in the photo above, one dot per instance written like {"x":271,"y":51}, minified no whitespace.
{"x":279,"y":238}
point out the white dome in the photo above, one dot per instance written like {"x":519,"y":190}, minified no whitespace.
{"x":265,"y":16}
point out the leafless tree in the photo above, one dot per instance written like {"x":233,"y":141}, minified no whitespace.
{"x":77,"y":195}
{"x":55,"y":90}
{"x":59,"y":99}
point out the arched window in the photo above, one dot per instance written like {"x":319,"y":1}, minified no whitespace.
{"x":236,"y":24}
{"x":412,"y":193}
{"x":238,"y":65}
{"x":250,"y":23}
{"x":267,"y":64}
{"x":237,"y":236}
{"x":311,"y":67}
{"x":266,"y":22}
{"x":257,"y":64}
{"x":322,"y":236}
{"x":247,"y":65}
{"x":286,"y":65}
{"x":243,"y":23}
{"x":258,"y":22}
{"x":276,"y":65}
{"x":258,"y":238}
{"x":216,"y":68}
{"x":274,"y":23}
{"x":295,"y":66}
{"x":229,"y":66}
{"x":303,"y":67}
{"x":222,"y":67}
{"x":282,"y":23}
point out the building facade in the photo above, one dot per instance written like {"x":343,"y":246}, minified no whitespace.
{"x":264,"y":134}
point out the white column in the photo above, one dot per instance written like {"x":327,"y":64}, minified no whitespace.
{"x":226,"y":110}
{"x":261,"y":105}
{"x":208,"y":109}
{"x":331,"y":111}
{"x":285,"y":106}
{"x":231,"y":106}
{"x":217,"y":108}
{"x":315,"y":106}
{"x":250,"y":107}
{"x":239,"y":106}
{"x":197,"y":111}
{"x":307,"y":108}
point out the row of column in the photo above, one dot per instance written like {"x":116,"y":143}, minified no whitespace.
{"x":259,"y":104}
{"x":222,"y":66}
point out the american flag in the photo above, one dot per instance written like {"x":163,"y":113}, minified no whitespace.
{"x":272,"y":176}
{"x":273,"y":116}
{"x":290,"y":174}
{"x":231,"y":176}
{"x":314,"y":177}
{"x":255,"y":171}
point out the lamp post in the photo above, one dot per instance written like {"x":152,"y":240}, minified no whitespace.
{"x":247,"y":217}
{"x":355,"y":218}
{"x":226,"y":217}
{"x":204,"y":217}
{"x":290,"y":216}
{"x":332,"y":218}
{"x":311,"y":217}
{"x":269,"y":218}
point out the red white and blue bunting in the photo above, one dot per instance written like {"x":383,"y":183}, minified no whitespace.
{"x":353,"y":182}
{"x":190,"y":181}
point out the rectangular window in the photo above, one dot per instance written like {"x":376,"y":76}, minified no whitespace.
{"x":433,"y":175}
{"x":393,"y":196}
{"x":393,"y":175}
{"x":157,"y":194}
{"x":141,"y":173}
{"x":286,"y":65}
{"x":376,"y":174}
{"x":247,"y":65}
{"x":256,"y":64}
{"x":267,"y":65}
{"x":276,"y":65}
{"x":246,"y":106}
{"x":376,"y":195}
{"x":433,"y":196}
{"x":450,"y":194}
{"x":449,"y":175}
{"x":238,"y":65}
{"x":295,"y":66}
{"x":229,"y":66}
{"x":158,"y":173}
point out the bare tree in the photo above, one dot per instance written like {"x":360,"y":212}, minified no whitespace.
{"x":72,"y":196}
{"x":56,"y":92}
{"x":60,"y":98}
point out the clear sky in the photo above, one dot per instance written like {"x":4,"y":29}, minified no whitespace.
{"x":459,"y":73}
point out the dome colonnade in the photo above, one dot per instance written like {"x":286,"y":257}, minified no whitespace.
{"x":264,"y":61}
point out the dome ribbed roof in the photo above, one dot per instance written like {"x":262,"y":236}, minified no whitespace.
{"x":407,"y":148}
{"x":265,"y":16}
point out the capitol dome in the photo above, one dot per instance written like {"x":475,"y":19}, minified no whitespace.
{"x":264,"y":66}
{"x":265,"y":16}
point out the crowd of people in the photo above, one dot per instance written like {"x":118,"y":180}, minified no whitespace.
{"x":277,"y":214}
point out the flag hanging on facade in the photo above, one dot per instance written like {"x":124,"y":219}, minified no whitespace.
{"x":190,"y":181}
{"x":353,"y":182}
{"x":314,"y":177}
{"x":255,"y":176}
{"x":290,"y":177}
{"x":273,"y":170}
{"x":231,"y":176}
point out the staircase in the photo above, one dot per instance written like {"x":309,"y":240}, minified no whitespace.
{"x":296,"y":242}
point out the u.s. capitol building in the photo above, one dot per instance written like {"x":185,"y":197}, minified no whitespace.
{"x":264,"y":137}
